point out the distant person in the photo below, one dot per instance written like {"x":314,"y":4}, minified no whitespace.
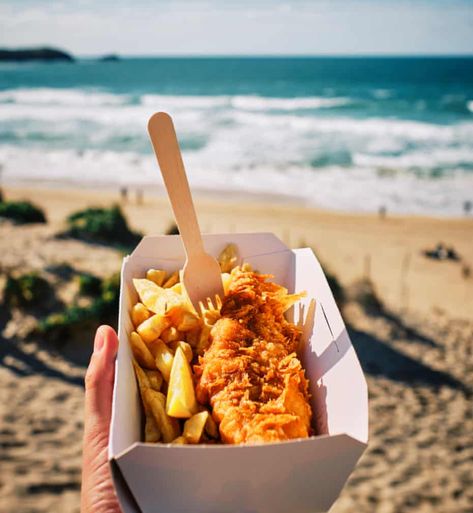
{"x":467,"y":206}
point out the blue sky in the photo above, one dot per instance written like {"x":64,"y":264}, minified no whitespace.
{"x":177,"y":27}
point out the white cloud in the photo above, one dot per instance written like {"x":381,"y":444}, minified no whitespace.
{"x":244,"y":27}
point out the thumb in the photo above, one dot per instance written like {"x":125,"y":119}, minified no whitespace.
{"x":99,"y":379}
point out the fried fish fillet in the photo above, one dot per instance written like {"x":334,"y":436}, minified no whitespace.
{"x":250,"y":374}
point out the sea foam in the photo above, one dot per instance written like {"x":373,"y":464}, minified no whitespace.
{"x":307,"y":148}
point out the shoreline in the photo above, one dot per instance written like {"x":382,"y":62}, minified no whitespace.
{"x":158,"y":191}
{"x":221,"y":197}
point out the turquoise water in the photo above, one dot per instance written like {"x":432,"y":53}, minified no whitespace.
{"x":344,"y":133}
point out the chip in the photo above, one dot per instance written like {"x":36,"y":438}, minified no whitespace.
{"x":139,"y":314}
{"x":156,"y":276}
{"x":186,"y":347}
{"x":194,"y":427}
{"x":228,"y":258}
{"x":172,"y":280}
{"x":163,"y":357}
{"x":152,"y":328}
{"x":170,"y":334}
{"x":181,"y":402}
{"x":155,"y":379}
{"x":141,"y":351}
{"x":156,"y":401}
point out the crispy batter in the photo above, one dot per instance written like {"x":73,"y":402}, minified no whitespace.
{"x":250,"y":373}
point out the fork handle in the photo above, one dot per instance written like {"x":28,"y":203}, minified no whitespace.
{"x":165,"y":144}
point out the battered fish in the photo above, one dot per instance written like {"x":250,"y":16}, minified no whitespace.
{"x":250,"y":374}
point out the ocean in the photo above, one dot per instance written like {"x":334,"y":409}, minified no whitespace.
{"x":351,"y":134}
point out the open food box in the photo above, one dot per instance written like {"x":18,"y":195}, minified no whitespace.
{"x":304,"y":475}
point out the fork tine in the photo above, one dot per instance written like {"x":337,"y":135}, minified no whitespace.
{"x":300,"y":322}
{"x":209,"y":304}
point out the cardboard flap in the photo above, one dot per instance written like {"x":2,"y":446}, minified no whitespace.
{"x":337,"y":384}
{"x":125,"y":428}
{"x":125,"y":497}
{"x":303,"y":476}
{"x":172,"y":249}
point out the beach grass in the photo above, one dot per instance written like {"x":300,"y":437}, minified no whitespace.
{"x":22,"y":212}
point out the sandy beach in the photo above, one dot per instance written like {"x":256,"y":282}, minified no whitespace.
{"x":415,"y":346}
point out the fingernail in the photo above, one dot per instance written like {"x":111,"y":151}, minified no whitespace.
{"x":99,"y":340}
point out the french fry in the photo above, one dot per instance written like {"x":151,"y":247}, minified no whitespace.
{"x":139,"y":314}
{"x":156,"y":275}
{"x":291,"y":299}
{"x":181,"y":402}
{"x":228,"y":258}
{"x":172,"y":280}
{"x":211,"y":427}
{"x":226,"y":281}
{"x":141,"y":352}
{"x":152,"y":433}
{"x":188,"y":321}
{"x":141,"y":376}
{"x":148,"y":378}
{"x":177,"y":288}
{"x":184,"y":346}
{"x":194,"y":427}
{"x":152,"y":328}
{"x":168,"y":426}
{"x":163,"y":357}
{"x":183,"y":287}
{"x":180,"y":440}
{"x":149,"y":294}
{"x":155,"y":379}
{"x":160,"y":300}
{"x":246,"y":267}
{"x":183,"y":316}
{"x":204,"y":340}
{"x":170,"y":334}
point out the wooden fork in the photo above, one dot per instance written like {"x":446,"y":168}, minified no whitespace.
{"x":201,"y":274}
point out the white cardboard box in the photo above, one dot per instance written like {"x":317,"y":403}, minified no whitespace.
{"x":298,"y":476}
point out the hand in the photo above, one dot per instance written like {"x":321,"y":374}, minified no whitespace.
{"x":98,"y":494}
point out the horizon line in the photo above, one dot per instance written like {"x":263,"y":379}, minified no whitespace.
{"x":275,"y":55}
{"x":366,"y":55}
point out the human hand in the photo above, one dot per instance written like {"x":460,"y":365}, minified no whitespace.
{"x":98,"y":493}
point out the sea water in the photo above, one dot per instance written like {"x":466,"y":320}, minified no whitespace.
{"x":342,"y":133}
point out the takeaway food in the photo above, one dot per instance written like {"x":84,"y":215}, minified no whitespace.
{"x":250,"y":374}
{"x":228,"y":373}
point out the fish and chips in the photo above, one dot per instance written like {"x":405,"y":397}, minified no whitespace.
{"x":228,"y":373}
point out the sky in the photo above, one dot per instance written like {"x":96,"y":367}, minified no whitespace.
{"x":256,"y":27}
